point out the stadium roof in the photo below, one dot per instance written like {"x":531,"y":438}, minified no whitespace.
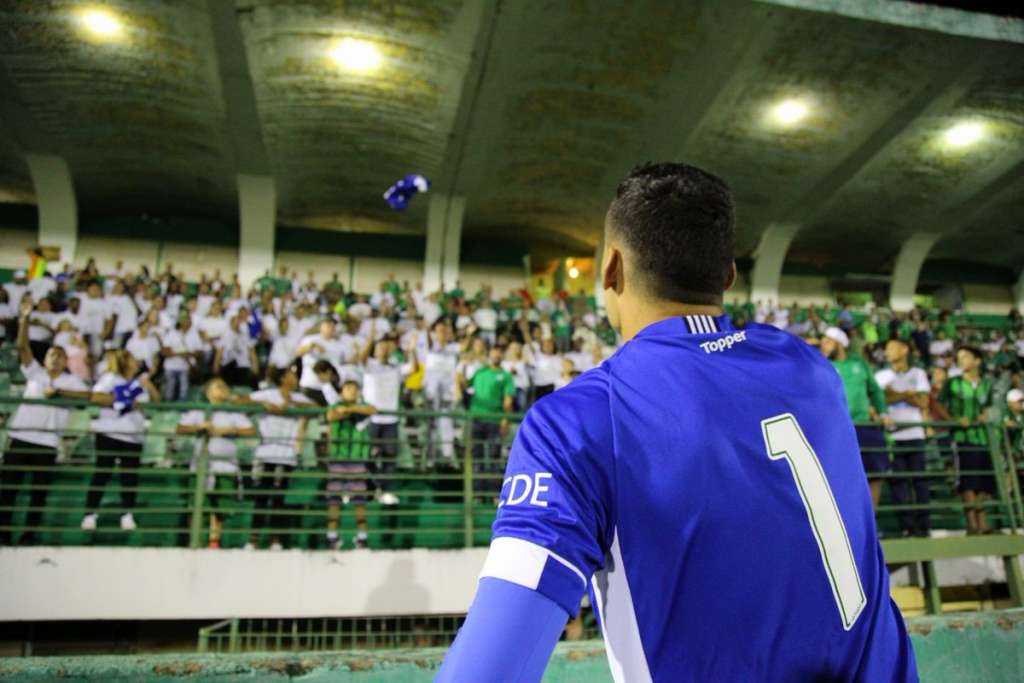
{"x":861,"y":122}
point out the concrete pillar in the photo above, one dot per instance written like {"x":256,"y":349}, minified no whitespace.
{"x":444,"y":239}
{"x":768,"y":259}
{"x":257,"y":210}
{"x":907,"y":268}
{"x":55,"y":197}
{"x":1018,"y":292}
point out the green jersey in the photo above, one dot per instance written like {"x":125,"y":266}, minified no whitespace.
{"x":862,"y":391}
{"x":490,"y":387}
{"x":969,"y":400}
{"x":348,"y":437}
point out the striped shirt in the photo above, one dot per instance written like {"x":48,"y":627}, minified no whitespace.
{"x":967,"y":399}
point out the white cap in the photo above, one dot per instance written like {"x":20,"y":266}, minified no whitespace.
{"x":1014,"y":395}
{"x":837,"y":335}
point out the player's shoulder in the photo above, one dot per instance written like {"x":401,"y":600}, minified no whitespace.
{"x":577,"y":415}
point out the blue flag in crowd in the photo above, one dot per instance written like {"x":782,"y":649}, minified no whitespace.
{"x":125,"y":395}
{"x":399,"y":194}
{"x":255,"y":325}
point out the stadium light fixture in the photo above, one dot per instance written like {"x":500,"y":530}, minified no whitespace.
{"x":353,"y":54}
{"x":790,"y":112}
{"x":100,"y":23}
{"x":964,"y":134}
{"x":574,"y":273}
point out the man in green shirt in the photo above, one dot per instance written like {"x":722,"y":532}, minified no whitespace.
{"x":967,"y":396}
{"x":867,"y":405}
{"x":492,"y":390}
{"x":348,"y":462}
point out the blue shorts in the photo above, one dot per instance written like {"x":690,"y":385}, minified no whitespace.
{"x":874,"y":451}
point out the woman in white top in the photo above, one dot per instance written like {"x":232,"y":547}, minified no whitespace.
{"x":42,"y":324}
{"x":221,"y":427}
{"x":547,"y":369}
{"x":119,"y":431}
{"x":277,"y":456}
{"x":126,"y":315}
{"x":35,"y":432}
{"x":144,"y":345}
{"x":178,"y":360}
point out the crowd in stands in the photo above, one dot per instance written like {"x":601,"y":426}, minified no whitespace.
{"x":123,"y":338}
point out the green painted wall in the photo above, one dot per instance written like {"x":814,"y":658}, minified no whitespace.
{"x":950,"y":649}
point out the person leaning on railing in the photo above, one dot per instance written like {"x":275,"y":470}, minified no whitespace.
{"x":348,"y":462}
{"x":277,"y":455}
{"x":222,"y":428}
{"x":119,"y":432}
{"x":35,"y":431}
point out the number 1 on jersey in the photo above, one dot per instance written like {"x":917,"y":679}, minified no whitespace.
{"x":783,"y":438}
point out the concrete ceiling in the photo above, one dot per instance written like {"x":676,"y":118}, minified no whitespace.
{"x":533,"y":109}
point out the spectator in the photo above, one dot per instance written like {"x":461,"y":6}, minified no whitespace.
{"x":493,"y":392}
{"x":385,"y":371}
{"x":348,"y":462}
{"x":179,"y":354}
{"x":441,"y":357}
{"x":35,"y":431}
{"x":867,"y":405}
{"x":119,"y":433}
{"x":966,"y":397}
{"x":907,"y":392}
{"x":220,"y":428}
{"x":282,"y":439}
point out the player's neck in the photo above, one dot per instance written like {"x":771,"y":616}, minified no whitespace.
{"x":640,"y":314}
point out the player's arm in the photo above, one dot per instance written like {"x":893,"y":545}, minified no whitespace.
{"x":549,"y":537}
{"x":509,"y":635}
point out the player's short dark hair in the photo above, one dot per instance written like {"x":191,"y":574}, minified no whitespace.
{"x":680,"y":224}
{"x":973,"y":350}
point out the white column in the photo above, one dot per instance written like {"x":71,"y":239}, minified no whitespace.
{"x":452,"y":241}
{"x":257,"y":210}
{"x":907,"y":268}
{"x":768,"y":259}
{"x":444,"y":238}
{"x":55,"y":197}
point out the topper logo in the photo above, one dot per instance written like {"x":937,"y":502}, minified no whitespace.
{"x":522,"y":485}
{"x":724,"y":343}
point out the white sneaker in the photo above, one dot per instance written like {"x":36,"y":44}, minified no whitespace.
{"x":276,"y":546}
{"x":249,"y":546}
{"x":128,"y":522}
{"x":388,"y":498}
{"x":89,"y":521}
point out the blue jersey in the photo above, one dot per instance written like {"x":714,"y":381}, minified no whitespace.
{"x":705,"y":486}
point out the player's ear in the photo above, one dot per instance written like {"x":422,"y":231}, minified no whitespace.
{"x":612,"y":272}
{"x":730,"y":280}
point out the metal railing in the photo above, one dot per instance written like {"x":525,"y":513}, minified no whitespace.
{"x":443,"y":482}
{"x":350,"y":633}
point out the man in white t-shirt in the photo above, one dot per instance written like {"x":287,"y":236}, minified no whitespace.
{"x":16,"y":289}
{"x":907,"y":392}
{"x":277,"y":456}
{"x":42,"y":287}
{"x":382,"y":388}
{"x":95,"y":318}
{"x":35,"y":432}
{"x":486,"y":319}
{"x":324,"y":345}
